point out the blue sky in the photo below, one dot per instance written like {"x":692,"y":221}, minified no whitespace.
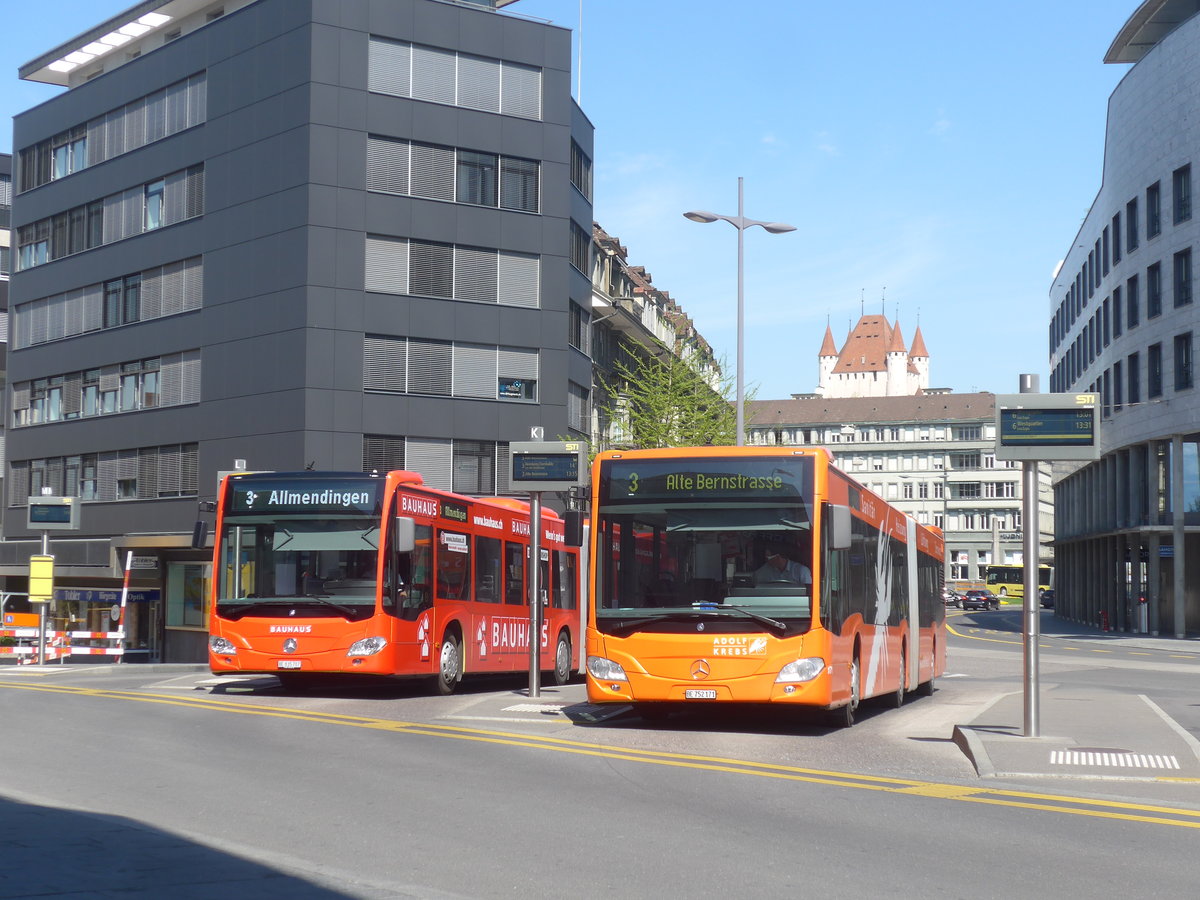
{"x":936,"y":157}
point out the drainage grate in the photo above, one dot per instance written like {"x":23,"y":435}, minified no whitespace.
{"x":1112,"y":759}
{"x":548,"y":708}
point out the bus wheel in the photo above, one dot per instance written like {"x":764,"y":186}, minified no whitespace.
{"x":450,"y":667}
{"x":562,"y":660}
{"x":898,"y":697}
{"x":1003,"y":592}
{"x":925,"y":688}
{"x":843,"y":716}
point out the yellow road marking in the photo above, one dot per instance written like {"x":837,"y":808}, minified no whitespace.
{"x":1063,"y":804}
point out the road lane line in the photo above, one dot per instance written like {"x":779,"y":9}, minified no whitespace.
{"x":1061,"y":804}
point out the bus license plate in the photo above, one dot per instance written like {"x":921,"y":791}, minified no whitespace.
{"x":289,"y":664}
{"x":700,"y":695}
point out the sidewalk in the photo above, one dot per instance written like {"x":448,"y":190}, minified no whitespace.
{"x":1084,"y":733}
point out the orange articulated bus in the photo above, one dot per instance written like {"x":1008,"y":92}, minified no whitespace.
{"x":756,"y":575}
{"x":318,"y":574}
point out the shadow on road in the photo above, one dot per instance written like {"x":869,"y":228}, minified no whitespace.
{"x":51,"y":852}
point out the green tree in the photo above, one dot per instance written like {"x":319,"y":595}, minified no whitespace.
{"x":665,"y":400}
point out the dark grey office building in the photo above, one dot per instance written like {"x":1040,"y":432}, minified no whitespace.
{"x":283,"y":234}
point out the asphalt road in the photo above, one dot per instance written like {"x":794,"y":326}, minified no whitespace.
{"x":241,"y":790}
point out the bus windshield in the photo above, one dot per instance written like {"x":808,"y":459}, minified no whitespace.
{"x":682,"y":541}
{"x":325,"y":565}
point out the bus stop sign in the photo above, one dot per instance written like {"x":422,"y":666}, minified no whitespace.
{"x":1046,"y":427}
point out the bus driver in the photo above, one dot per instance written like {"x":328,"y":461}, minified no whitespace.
{"x":778,"y":568}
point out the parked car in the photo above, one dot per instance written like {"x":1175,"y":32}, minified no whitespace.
{"x":980,"y":600}
{"x":1048,"y":598}
{"x":951,"y":597}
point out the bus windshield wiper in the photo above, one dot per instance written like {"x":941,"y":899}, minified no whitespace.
{"x":634,"y":624}
{"x":344,"y":610}
{"x":774,"y":624}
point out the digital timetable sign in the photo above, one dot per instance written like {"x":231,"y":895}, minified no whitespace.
{"x":1047,"y":427}
{"x":547,"y":465}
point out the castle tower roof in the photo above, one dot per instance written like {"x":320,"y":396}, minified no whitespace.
{"x":828,"y":347}
{"x":918,"y":345}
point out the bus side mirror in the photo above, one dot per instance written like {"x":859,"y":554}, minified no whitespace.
{"x":406,"y":534}
{"x":838,"y":522}
{"x":573,"y":527}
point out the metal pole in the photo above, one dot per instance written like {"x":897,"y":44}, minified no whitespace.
{"x":1029,"y":606}
{"x":41,"y":656}
{"x":535,"y":593}
{"x":741,"y":325}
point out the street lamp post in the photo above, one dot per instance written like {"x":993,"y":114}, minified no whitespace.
{"x":741,"y":223}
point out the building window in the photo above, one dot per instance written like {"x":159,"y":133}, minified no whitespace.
{"x":144,"y":473}
{"x":579,"y":328}
{"x":1116,"y":238}
{"x":175,"y":198}
{"x":1183,"y":277}
{"x":151,"y":118}
{"x":1154,"y":291}
{"x":1131,"y":225}
{"x":1181,"y":194}
{"x":477,"y":177}
{"x":1135,"y":384}
{"x":578,"y":413}
{"x":970,"y":460}
{"x":1118,"y":312}
{"x":1118,"y":385}
{"x":581,"y":171}
{"x":581,"y":245}
{"x":457,"y":79}
{"x":1153,"y":210}
{"x":968,"y":432}
{"x":1132,"y":302}
{"x":1183,"y":361}
{"x":1154,"y":371}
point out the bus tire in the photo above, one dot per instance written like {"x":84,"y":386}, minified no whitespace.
{"x":562,"y":660}
{"x":926,"y":688}
{"x":1003,"y":592}
{"x":450,"y":665}
{"x":898,"y":696}
{"x":843,"y":716}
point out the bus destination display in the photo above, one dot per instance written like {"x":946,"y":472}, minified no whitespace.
{"x":638,"y":481}
{"x":304,"y":496}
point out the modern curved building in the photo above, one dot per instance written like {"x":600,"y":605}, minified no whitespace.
{"x":1124,"y":319}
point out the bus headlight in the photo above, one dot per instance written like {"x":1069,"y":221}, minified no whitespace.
{"x":221,"y":646}
{"x":605,"y":669}
{"x":367,"y":646}
{"x":801,"y":670}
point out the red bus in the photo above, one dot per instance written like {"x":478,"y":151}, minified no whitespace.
{"x":755,"y":575}
{"x":319,"y":573}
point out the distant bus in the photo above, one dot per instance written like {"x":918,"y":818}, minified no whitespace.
{"x":687,"y":606}
{"x":1009,"y":581}
{"x":321,"y":574}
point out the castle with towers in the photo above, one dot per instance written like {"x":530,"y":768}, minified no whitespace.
{"x":873,"y":362}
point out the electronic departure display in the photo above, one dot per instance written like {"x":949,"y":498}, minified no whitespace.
{"x":1047,"y":427}
{"x":1039,"y":427}
{"x":547,"y":465}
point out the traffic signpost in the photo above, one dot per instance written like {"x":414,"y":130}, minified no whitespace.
{"x":542,"y":466}
{"x":1033,"y":428}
